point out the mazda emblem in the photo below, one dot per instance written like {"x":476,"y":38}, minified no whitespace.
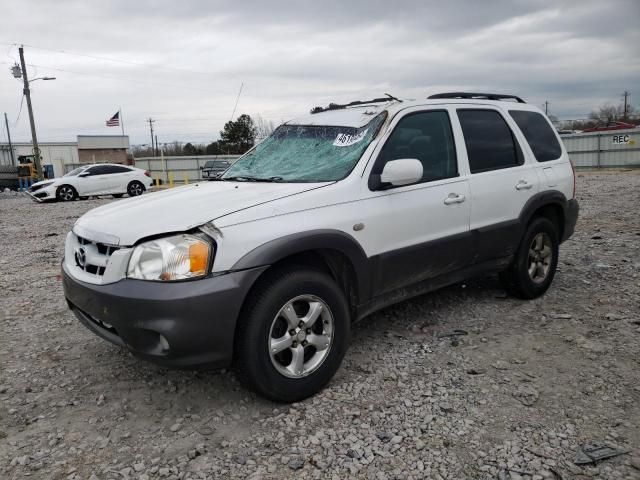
{"x":81,"y":257}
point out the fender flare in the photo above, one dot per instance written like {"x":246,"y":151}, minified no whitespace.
{"x":541,"y":199}
{"x":326,"y":239}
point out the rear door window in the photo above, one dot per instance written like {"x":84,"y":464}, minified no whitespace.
{"x":539,"y":134}
{"x":490,"y":142}
{"x":116,"y":169}
{"x":97,"y":170}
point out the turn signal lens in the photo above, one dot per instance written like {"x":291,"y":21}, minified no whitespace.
{"x":198,"y":258}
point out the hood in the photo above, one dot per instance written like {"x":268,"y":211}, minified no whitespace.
{"x":49,"y":181}
{"x":126,"y":221}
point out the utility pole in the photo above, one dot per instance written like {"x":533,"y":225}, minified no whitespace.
{"x":34,"y":138}
{"x":153,"y":148}
{"x":6,"y":123}
{"x":626,"y":96}
{"x":546,"y":107}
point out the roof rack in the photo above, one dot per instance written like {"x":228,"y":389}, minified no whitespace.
{"x":335,"y":106}
{"x":480,"y":96}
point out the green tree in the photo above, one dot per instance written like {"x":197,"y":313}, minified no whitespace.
{"x":239,"y":136}
{"x":189,"y":149}
{"x":213,"y":149}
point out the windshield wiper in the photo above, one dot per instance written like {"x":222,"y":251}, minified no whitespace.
{"x":239,"y":179}
{"x":254,"y":179}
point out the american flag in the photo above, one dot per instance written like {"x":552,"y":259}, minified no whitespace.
{"x":114,"y":121}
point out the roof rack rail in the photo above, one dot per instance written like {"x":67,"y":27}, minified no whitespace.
{"x":336,"y":106}
{"x":477,"y":96}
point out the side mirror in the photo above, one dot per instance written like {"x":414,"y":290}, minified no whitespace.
{"x":402,"y":172}
{"x":201,"y":167}
{"x":84,"y":174}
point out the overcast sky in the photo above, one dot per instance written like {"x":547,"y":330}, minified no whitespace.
{"x":182,"y":62}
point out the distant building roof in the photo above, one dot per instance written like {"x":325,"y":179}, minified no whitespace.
{"x":99,"y":142}
{"x":610,"y":126}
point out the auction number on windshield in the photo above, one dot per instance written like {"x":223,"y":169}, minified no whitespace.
{"x":346,"y":139}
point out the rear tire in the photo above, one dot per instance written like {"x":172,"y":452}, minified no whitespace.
{"x":66,"y":193}
{"x":288,"y":315}
{"x":135,"y":188}
{"x":534,"y":265}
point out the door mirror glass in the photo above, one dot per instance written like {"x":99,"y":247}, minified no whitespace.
{"x":402,"y":172}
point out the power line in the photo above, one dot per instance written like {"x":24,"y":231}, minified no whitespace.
{"x":20,"y":111}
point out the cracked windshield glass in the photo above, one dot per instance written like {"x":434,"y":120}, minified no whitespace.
{"x":309,"y":153}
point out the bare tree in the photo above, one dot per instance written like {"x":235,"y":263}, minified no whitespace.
{"x":606,"y":114}
{"x":264,"y":128}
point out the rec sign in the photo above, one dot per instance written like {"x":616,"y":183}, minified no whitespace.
{"x":621,"y":139}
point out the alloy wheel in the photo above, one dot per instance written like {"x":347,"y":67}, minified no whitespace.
{"x":301,"y":336}
{"x":66,"y":193}
{"x":540,"y":257}
{"x":135,"y":189}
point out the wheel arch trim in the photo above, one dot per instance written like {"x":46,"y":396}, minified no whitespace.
{"x":539,"y":200}
{"x":313,"y":240}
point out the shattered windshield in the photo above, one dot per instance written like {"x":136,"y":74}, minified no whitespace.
{"x":305,"y":153}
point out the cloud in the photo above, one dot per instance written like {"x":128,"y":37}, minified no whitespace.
{"x":182,"y":62}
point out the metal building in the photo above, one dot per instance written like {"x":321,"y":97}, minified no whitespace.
{"x":57,"y":154}
{"x":618,"y":148}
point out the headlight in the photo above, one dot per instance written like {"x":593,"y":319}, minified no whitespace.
{"x":172,"y":258}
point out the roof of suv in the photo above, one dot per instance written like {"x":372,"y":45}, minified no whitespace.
{"x":360,"y":115}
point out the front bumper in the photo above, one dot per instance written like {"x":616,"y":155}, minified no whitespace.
{"x":42,"y":194}
{"x":571,"y":211}
{"x":176,"y":324}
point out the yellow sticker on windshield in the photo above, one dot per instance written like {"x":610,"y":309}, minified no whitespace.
{"x":346,"y":139}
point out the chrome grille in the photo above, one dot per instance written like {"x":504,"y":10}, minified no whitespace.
{"x":92,"y":257}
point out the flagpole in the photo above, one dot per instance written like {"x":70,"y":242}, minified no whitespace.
{"x":121,"y":120}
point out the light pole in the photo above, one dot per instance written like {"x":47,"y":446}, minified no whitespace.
{"x":27,"y":93}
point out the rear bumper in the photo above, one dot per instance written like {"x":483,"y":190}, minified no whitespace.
{"x":178,"y":324}
{"x":571,"y":212}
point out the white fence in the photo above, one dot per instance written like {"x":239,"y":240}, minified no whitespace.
{"x":618,"y":148}
{"x":178,"y":169}
{"x":615,"y":148}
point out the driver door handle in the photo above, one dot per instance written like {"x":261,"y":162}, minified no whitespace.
{"x":523,"y":185}
{"x":454,"y":198}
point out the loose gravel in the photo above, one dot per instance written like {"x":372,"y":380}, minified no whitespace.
{"x":514,"y":398}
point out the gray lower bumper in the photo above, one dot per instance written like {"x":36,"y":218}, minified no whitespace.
{"x":571,"y":212}
{"x":196,"y":320}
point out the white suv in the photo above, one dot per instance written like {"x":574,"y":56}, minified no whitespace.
{"x":332,"y":217}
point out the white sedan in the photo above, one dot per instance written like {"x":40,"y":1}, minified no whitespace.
{"x":90,"y":180}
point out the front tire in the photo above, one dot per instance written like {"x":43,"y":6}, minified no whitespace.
{"x":292,"y":335}
{"x":135,"y":188}
{"x":66,"y":193}
{"x":535,"y":263}
{"x":117,"y":195}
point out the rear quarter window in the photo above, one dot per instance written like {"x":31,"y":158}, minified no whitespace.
{"x":539,"y":134}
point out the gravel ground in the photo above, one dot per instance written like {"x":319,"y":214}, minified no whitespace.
{"x":515,"y":398}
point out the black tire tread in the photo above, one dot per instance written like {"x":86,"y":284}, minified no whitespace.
{"x":245,"y":354}
{"x":514,"y":280}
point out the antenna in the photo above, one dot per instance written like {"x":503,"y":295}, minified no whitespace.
{"x":236,"y":105}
